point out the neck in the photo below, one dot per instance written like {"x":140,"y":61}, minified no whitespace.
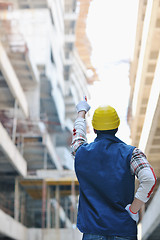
{"x":111,"y":132}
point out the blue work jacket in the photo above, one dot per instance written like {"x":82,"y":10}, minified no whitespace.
{"x":106,"y":187}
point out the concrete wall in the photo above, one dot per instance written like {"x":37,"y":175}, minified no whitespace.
{"x":54,"y":234}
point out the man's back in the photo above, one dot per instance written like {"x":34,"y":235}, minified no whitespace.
{"x":106,"y":187}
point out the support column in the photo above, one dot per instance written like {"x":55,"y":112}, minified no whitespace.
{"x":57,"y":215}
{"x":48,"y":208}
{"x":16,"y":200}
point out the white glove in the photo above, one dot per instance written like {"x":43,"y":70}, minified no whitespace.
{"x":83,"y":106}
{"x":134,"y":216}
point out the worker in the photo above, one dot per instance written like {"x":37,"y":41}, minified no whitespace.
{"x":106,"y":168}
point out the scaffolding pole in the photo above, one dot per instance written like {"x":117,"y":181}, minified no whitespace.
{"x":57,"y":215}
{"x":16,"y":200}
{"x":43,"y":203}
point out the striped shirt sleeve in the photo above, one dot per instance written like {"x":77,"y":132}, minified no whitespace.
{"x":145,"y":174}
{"x":138,"y":161}
{"x":79,"y":135}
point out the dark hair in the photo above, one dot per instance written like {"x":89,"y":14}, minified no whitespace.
{"x":112,"y":132}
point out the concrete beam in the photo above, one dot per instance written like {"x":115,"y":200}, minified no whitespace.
{"x":147,"y":35}
{"x":52,"y":178}
{"x":68,"y":62}
{"x":70,"y":16}
{"x":12,"y":81}
{"x":70,"y":108}
{"x":66,"y":157}
{"x":52,"y":151}
{"x":152,"y":113}
{"x":54,"y":234}
{"x":56,"y":174}
{"x":33,"y":68}
{"x":15,"y":158}
{"x":151,"y":218}
{"x":11,"y":228}
{"x":60,"y":105}
{"x":70,"y":38}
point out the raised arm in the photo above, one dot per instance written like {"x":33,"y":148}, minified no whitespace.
{"x":79,"y":130}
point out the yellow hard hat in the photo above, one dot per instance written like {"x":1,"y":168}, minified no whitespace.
{"x":105,"y":118}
